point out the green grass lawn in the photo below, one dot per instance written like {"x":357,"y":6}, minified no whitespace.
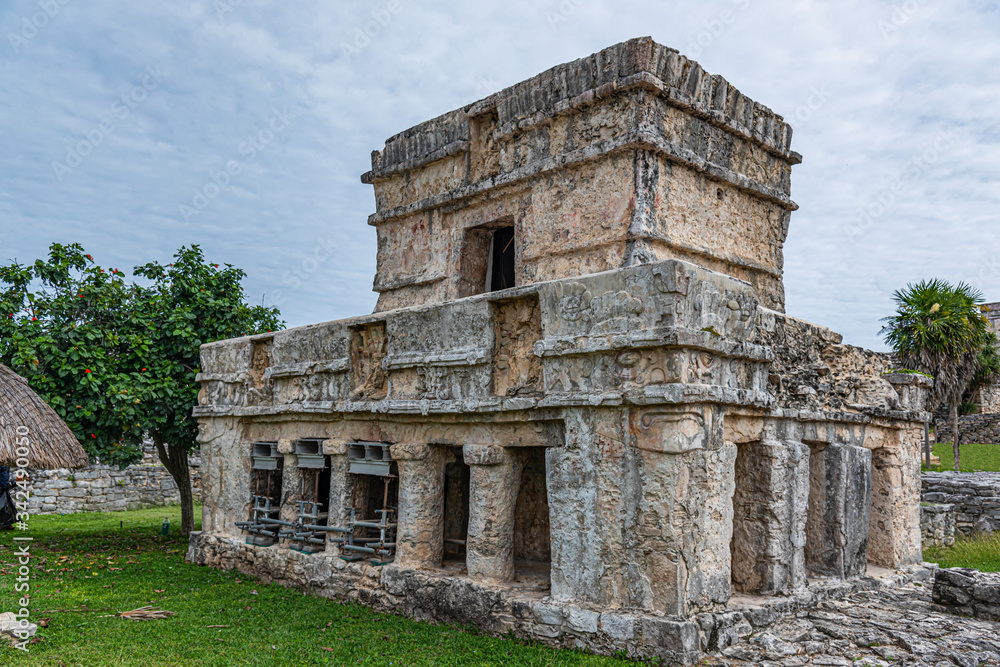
{"x":89,"y":567}
{"x":981,"y":552}
{"x":974,"y":457}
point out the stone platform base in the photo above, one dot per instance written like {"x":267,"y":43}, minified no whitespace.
{"x":878,"y":628}
{"x":524,"y":609}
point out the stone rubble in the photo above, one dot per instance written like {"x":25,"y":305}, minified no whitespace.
{"x":971,"y":592}
{"x":12,"y":628}
{"x":889,"y":626}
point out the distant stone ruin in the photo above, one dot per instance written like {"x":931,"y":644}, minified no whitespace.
{"x":107,"y":488}
{"x":988,"y":397}
{"x":579,"y":412}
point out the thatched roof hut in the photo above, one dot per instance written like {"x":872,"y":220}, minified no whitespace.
{"x":50,"y":442}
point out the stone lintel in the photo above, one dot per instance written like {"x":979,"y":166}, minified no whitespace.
{"x":485,"y":455}
{"x":335,"y":447}
{"x":410,"y":451}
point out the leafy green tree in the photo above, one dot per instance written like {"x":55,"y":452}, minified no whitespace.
{"x":941,"y":330}
{"x":118,"y":359}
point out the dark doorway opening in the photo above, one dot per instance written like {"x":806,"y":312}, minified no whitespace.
{"x":371,"y":530}
{"x":309,"y":535}
{"x":532,"y":549}
{"x":502,"y":260}
{"x":456,"y":508}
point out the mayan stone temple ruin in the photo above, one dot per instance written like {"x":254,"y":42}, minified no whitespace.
{"x":579,"y":412}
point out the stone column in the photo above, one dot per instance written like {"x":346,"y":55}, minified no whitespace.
{"x":420,"y":532}
{"x":494,"y":484}
{"x":840,"y":495}
{"x":340,"y":489}
{"x":769,"y":516}
{"x":894,"y":538}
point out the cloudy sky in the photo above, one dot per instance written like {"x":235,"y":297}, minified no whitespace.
{"x":895,"y":109}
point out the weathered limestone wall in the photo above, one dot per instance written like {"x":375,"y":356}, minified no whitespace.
{"x":815,"y":375}
{"x":653,"y":448}
{"x":993,"y":315}
{"x":989,"y":399}
{"x":640,"y":477}
{"x":937,"y":524}
{"x":975,"y":497}
{"x":101,"y":488}
{"x":642,"y":525}
{"x":632,"y":155}
{"x":989,"y":396}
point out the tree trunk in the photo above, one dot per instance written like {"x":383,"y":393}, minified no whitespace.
{"x":175,"y":459}
{"x":927,"y":444}
{"x":954,"y":432}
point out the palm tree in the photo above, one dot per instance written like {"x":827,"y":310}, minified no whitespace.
{"x":940,"y":329}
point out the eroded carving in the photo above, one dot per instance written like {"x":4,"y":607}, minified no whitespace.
{"x":368,"y":349}
{"x":517,"y":326}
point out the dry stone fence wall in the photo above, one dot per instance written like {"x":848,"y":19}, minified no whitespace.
{"x":969,"y":592}
{"x":103,"y":488}
{"x":937,"y":524}
{"x":975,"y":497}
{"x":982,"y":428}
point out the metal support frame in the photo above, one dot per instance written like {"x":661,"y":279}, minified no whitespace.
{"x":359,"y":535}
{"x":260,"y":524}
{"x":307,"y":533}
{"x":360,"y":538}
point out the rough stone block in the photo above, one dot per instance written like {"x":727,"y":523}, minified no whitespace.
{"x":840,"y":483}
{"x":548,"y":614}
{"x":675,"y":641}
{"x":618,"y":626}
{"x":769,"y":516}
{"x":582,"y":620}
